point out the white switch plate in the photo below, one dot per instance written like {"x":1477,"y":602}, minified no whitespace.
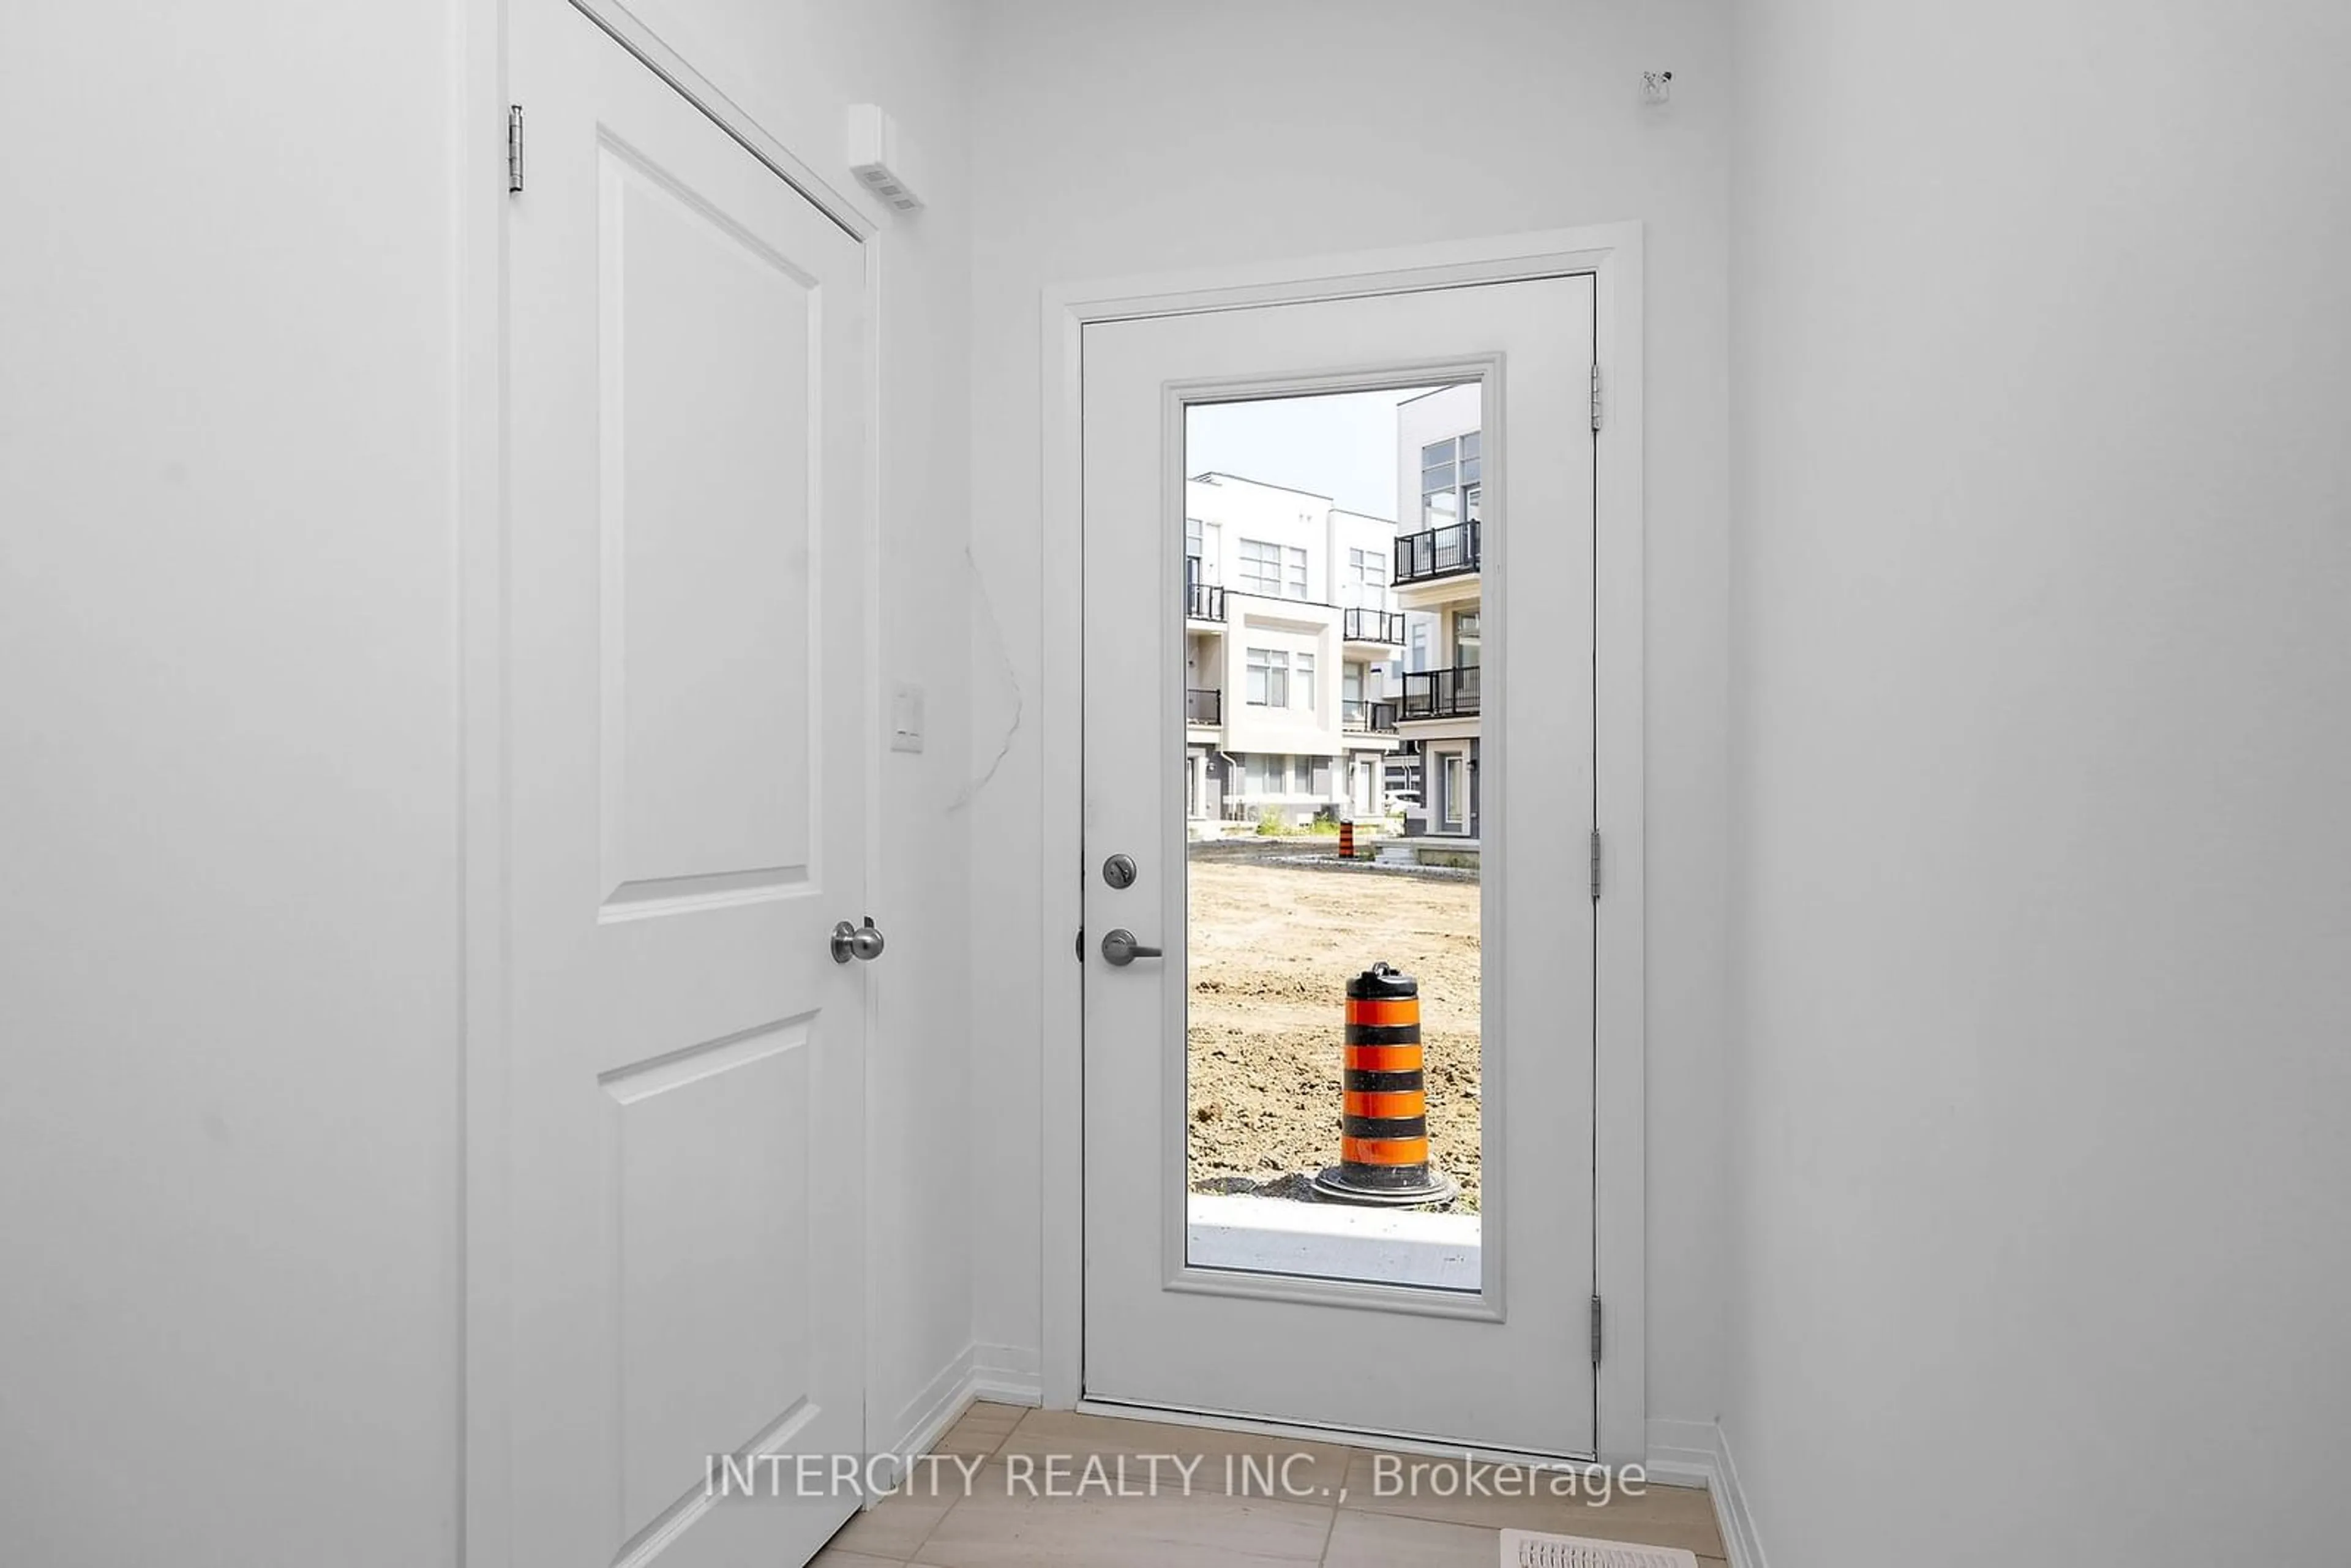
{"x":906,"y":716}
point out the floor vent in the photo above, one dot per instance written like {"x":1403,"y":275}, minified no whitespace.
{"x":1526,"y":1549}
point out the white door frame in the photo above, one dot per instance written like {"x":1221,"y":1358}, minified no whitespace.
{"x":1612,"y":254}
{"x":479,"y":210}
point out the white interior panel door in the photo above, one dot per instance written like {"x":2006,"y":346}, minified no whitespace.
{"x":686,"y":740}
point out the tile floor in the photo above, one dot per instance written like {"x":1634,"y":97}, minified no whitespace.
{"x":1251,"y":1499}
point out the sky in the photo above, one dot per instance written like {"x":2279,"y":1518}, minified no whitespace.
{"x":1342,"y":445}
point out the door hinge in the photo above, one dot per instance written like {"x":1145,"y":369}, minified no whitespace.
{"x":1595,"y":384}
{"x":1595,"y":864}
{"x":1595,"y":1329}
{"x":514,"y":149}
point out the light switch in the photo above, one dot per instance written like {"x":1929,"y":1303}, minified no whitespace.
{"x":906,"y":716}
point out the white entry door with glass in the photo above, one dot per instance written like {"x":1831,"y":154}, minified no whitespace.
{"x":1339,"y":939}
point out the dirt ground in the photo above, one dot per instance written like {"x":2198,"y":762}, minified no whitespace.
{"x":1272,"y":948}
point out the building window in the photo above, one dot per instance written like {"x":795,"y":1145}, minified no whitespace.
{"x":1268,"y":774}
{"x":1466,"y":637}
{"x":1201,"y":541}
{"x":1449,"y":488}
{"x":1351,"y":683}
{"x":1258,"y":567}
{"x":1303,"y":688}
{"x":1457,"y":789}
{"x":1419,"y":643}
{"x":1318,"y":778}
{"x":1269,"y":677}
{"x":1261,"y":569}
{"x":1367,"y":577}
{"x":1439,"y":503}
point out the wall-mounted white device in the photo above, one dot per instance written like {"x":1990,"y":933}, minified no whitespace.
{"x":881,"y":158}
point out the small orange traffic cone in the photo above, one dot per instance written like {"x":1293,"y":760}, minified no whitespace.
{"x":1384,"y":1102}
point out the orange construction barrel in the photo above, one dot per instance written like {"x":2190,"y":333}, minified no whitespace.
{"x":1382,"y":1101}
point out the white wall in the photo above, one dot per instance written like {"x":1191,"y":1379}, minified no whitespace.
{"x":2042,"y":747}
{"x":229,"y":1198}
{"x":228,"y":947}
{"x":1120,"y":139}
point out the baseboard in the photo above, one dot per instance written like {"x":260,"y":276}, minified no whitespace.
{"x":1695,"y":1453}
{"x":1008,"y":1373}
{"x":1731,"y":1509}
{"x":1681,"y":1453}
{"x":926,"y":1417}
{"x":1005,"y":1373}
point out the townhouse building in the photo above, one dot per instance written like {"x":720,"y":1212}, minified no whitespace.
{"x":1291,"y":643}
{"x":1437,"y":586}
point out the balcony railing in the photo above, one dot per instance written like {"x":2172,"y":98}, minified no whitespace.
{"x":1373,"y":626}
{"x":1440,"y":552}
{"x":1204,"y":706}
{"x":1367,"y":715}
{"x":1203,"y":601}
{"x":1440,"y":693}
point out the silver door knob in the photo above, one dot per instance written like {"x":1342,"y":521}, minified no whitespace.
{"x":1121,"y":949}
{"x":856,"y":942}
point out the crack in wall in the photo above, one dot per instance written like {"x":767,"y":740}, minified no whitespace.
{"x":971,"y":791}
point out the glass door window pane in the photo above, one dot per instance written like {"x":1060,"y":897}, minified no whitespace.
{"x":1272,"y":937}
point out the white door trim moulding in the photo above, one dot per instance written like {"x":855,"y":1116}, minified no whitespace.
{"x":668,"y":62}
{"x":1611,"y":253}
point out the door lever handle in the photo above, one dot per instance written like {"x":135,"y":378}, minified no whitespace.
{"x":1121,"y":949}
